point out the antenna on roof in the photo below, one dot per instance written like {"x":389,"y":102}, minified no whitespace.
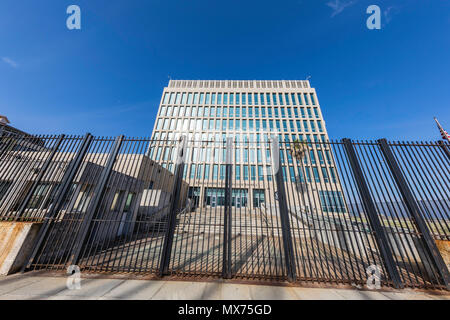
{"x":308,"y":77}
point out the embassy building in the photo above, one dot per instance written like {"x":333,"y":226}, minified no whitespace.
{"x":251,"y":112}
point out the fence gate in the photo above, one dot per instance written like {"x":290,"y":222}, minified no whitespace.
{"x":323,"y":211}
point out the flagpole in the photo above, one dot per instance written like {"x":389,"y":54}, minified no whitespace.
{"x":445,"y":136}
{"x":444,"y":133}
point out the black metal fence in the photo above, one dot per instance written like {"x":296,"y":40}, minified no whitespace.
{"x":337,"y":211}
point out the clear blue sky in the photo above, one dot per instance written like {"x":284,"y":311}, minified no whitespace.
{"x":107,"y":78}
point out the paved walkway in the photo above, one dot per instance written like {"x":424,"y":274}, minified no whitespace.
{"x":27,"y":287}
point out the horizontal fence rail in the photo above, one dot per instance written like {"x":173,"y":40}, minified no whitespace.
{"x":267,"y":209}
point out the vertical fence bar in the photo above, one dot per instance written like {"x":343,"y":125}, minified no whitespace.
{"x":174,"y":204}
{"x":413,"y":208}
{"x":226,"y":270}
{"x":380,"y":236}
{"x":94,"y":204}
{"x":284,"y":213}
{"x":445,"y":148}
{"x":66,"y":182}
{"x":38,"y":180}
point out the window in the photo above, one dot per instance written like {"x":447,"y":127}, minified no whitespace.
{"x":332,"y":201}
{"x":299,"y":96}
{"x":183,"y":99}
{"x":208,"y":98}
{"x":166,"y":98}
{"x":207,"y":171}
{"x":316,"y":112}
{"x":4,"y":187}
{"x":172,"y":98}
{"x":312,"y":157}
{"x":319,"y":124}
{"x":215,"y":169}
{"x":316,"y":174}
{"x":325,"y":174}
{"x":202,"y":98}
{"x":245,"y":172}
{"x":280,"y":99}
{"x":196,"y":98}
{"x":292,"y":173}
{"x":238,"y":172}
{"x":311,"y":95}
{"x":189,"y":101}
{"x":306,"y":98}
{"x":219,"y":98}
{"x":222,"y":172}
{"x":225,"y":98}
{"x":117,"y":200}
{"x":39,"y":194}
{"x":305,"y":125}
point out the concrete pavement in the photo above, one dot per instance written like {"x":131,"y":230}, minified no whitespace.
{"x":26,"y":287}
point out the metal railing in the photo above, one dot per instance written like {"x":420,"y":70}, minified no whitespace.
{"x":270,"y":210}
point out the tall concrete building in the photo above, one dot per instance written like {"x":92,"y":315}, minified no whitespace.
{"x":251,"y":112}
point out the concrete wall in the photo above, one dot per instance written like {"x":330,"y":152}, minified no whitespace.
{"x":16,"y":242}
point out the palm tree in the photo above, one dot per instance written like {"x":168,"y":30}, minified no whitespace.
{"x":299,"y":149}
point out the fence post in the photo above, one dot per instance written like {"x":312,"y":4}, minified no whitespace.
{"x":380,"y":236}
{"x":174,"y":204}
{"x":38,"y":180}
{"x":95,"y":202}
{"x":284,"y":212}
{"x":408,"y":197}
{"x":66,"y":182}
{"x":445,"y":148}
{"x":226,"y":270}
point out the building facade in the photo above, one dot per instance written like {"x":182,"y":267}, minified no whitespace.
{"x":250,"y":112}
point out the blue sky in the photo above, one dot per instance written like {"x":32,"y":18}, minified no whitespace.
{"x":107,"y":78}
